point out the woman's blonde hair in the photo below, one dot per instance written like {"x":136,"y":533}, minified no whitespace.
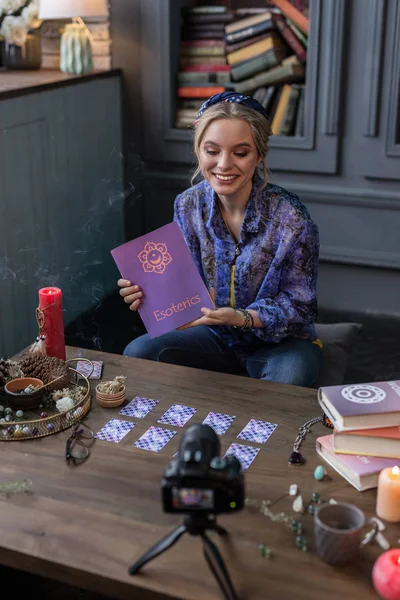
{"x":260,"y":130}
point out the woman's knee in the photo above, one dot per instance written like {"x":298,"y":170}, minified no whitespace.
{"x":141,"y":347}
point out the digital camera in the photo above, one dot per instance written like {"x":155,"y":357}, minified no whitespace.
{"x":198,"y":479}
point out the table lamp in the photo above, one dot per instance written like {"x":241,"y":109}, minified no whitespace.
{"x":76,"y":41}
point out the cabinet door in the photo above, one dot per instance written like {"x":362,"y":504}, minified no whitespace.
{"x":380,"y":135}
{"x":316,"y":152}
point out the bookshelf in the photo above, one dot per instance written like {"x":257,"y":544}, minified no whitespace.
{"x":313,"y":151}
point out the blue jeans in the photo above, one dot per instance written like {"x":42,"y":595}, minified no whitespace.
{"x":292,"y":361}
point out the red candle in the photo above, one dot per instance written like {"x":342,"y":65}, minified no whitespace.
{"x":386,"y":575}
{"x":50,"y":305}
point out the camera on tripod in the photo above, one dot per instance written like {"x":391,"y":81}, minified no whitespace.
{"x":198,"y":479}
{"x":201,"y":484}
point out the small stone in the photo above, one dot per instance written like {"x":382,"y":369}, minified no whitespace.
{"x":263,"y":549}
{"x":319,"y":473}
{"x":35,"y":431}
{"x":26,"y":430}
{"x":294,"y":525}
{"x":304,"y":548}
{"x":332,"y":501}
{"x":18,"y":431}
{"x":10,"y":430}
{"x":315,"y":497}
{"x":311,"y":509}
{"x":382,"y":541}
{"x":1,"y":408}
{"x":298,"y":505}
{"x":296,"y":458}
{"x":381,"y":526}
{"x":8,"y":411}
{"x":2,"y":420}
{"x":50,"y":427}
{"x":19,"y":413}
{"x":301,"y":541}
{"x":293,"y":490}
{"x":43,"y":415}
{"x":8,"y":418}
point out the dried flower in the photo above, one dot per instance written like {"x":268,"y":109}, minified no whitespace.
{"x":112,"y":387}
{"x":17,"y":19}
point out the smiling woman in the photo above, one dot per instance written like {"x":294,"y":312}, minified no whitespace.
{"x":256,"y":248}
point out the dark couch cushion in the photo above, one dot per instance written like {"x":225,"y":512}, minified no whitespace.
{"x":338,"y":341}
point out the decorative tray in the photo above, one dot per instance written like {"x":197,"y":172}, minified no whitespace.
{"x":46,"y":419}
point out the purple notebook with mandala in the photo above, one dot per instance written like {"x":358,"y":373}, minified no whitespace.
{"x":160,"y":263}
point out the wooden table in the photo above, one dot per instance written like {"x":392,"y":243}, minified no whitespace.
{"x":86,"y":525}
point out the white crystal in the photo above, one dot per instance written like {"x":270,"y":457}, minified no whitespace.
{"x":381,"y":526}
{"x":298,"y":505}
{"x":332,"y":501}
{"x":293,"y":490}
{"x":64,"y":404}
{"x":382,"y":541}
{"x":19,"y":413}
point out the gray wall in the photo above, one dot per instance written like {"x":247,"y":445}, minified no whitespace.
{"x":62,"y":200}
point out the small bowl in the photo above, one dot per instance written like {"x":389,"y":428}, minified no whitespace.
{"x":110,"y":400}
{"x":20,"y":400}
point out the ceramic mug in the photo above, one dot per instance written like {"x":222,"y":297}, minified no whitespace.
{"x":339,"y":531}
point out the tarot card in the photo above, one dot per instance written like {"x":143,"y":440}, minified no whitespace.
{"x":245,"y":454}
{"x":154,"y":439}
{"x":178,"y":415}
{"x":114,"y":430}
{"x":139,"y":407}
{"x":219,"y":421}
{"x":85,"y":368}
{"x":257,"y":431}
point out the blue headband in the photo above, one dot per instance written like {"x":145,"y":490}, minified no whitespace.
{"x":232,"y":97}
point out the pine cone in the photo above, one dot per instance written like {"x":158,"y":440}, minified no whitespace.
{"x":46,"y":368}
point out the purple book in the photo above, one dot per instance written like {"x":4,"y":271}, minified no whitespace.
{"x":362,"y":405}
{"x":160,"y":263}
{"x":361,"y":471}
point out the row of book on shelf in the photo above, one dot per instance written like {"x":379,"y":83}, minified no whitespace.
{"x":366,"y":430}
{"x":260,"y":52}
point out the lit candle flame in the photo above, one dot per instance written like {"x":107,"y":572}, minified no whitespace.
{"x":396,"y":471}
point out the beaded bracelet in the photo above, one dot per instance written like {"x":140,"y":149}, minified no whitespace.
{"x":248,"y":319}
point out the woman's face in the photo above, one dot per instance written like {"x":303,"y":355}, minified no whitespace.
{"x":228,"y":156}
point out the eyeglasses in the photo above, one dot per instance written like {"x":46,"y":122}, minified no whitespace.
{"x":77,"y":446}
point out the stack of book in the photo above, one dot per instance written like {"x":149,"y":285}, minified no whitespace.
{"x":366,"y":434}
{"x":203,"y":69}
{"x":262,"y":53}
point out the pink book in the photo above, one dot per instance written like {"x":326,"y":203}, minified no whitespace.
{"x":362,"y":405}
{"x":361,"y":471}
{"x":161,"y":264}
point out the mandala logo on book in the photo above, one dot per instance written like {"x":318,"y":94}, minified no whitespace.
{"x":363,"y":393}
{"x":154,"y":258}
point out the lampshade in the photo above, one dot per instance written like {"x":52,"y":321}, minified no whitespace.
{"x":67,"y":9}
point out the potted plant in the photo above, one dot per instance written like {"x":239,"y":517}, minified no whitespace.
{"x":19,"y":34}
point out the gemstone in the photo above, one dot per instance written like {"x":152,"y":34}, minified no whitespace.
{"x":315,"y":497}
{"x":19,"y":413}
{"x":43,"y":415}
{"x":35,"y":431}
{"x":10,"y":430}
{"x":298,"y":505}
{"x":293,"y":490}
{"x":296,"y":458}
{"x":294,"y":525}
{"x":50,"y":427}
{"x":301,"y":541}
{"x":311,"y":509}
{"x":319,"y":473}
{"x":263,"y":549}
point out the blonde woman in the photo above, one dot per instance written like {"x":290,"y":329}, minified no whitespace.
{"x":256,"y":248}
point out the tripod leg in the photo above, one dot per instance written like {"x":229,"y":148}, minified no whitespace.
{"x":218,"y":568}
{"x":161,"y":546}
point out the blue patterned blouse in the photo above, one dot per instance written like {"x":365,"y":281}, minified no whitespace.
{"x":272,"y":270}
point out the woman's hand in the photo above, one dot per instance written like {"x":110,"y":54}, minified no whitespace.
{"x":219,"y":316}
{"x":130,"y":293}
